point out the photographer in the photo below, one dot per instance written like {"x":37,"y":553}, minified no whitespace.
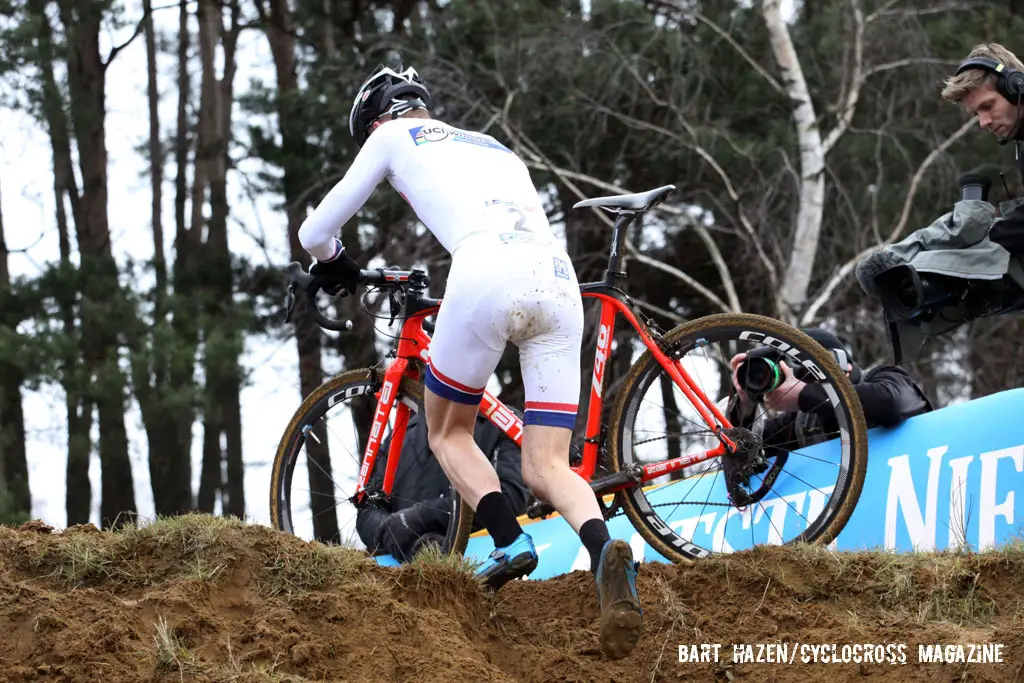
{"x":887,"y":394}
{"x":989,"y":83}
{"x":419,"y":503}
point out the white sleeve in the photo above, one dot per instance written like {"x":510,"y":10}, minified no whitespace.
{"x":318,"y":231}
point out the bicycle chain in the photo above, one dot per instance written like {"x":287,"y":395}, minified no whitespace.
{"x":661,"y":505}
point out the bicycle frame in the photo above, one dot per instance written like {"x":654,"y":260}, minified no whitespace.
{"x":414,"y":344}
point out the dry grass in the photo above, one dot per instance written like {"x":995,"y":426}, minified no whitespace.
{"x":170,"y":652}
{"x":313,"y":567}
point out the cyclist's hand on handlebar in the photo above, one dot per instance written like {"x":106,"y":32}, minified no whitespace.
{"x":340,"y":275}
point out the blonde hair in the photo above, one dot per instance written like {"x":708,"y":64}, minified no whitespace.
{"x":957,"y":87}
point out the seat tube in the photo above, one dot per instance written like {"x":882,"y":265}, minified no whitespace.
{"x":606,"y":331}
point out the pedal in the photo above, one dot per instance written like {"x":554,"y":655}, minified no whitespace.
{"x":538,"y":509}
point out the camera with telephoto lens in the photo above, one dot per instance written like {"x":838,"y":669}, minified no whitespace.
{"x":907,"y":294}
{"x":760,"y":372}
{"x":911,"y":295}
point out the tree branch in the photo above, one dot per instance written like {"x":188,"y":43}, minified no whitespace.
{"x":675,"y":272}
{"x":853,"y":94}
{"x":910,"y":61}
{"x":925,"y":11}
{"x":881,"y":10}
{"x":674,"y":5}
{"x":135,"y":34}
{"x":664,"y":312}
{"x":748,"y":227}
{"x":702,"y":232}
{"x":826,"y":292}
{"x":521,"y":140}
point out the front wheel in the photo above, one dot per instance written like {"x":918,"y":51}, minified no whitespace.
{"x":797,"y":479}
{"x":313,"y":481}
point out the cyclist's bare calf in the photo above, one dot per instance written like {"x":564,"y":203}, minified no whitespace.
{"x":450,"y":428}
{"x":546,"y":471}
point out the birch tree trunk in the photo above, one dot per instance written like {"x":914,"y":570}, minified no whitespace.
{"x":796,"y":278}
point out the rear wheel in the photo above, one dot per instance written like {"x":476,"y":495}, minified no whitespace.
{"x":317,"y":464}
{"x":795,"y":481}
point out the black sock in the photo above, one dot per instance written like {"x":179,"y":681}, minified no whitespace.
{"x":594,"y":534}
{"x":496,"y":515}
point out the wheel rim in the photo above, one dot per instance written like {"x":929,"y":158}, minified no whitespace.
{"x":693,"y":515}
{"x":334,"y":416}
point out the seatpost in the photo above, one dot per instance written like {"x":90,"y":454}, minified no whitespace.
{"x":614,"y":273}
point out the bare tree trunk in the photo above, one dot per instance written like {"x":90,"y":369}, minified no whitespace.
{"x":13,"y":462}
{"x":187,"y":246}
{"x":327,"y":38}
{"x":156,"y":160}
{"x":181,"y":139}
{"x":210,"y":478}
{"x":797,"y":277}
{"x":100,"y":288}
{"x":280,"y":31}
{"x":166,"y":417}
{"x":673,"y":423}
{"x":78,"y":498}
{"x":232,"y":415}
{"x":223,"y":338}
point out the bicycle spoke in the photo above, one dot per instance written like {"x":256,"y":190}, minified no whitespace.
{"x":776,"y":508}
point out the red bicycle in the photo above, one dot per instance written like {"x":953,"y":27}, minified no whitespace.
{"x":774,"y":479}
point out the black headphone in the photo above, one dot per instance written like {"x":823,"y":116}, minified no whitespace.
{"x":1011,"y":82}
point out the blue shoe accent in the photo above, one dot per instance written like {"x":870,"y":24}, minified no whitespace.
{"x":387,"y":561}
{"x":513,"y":561}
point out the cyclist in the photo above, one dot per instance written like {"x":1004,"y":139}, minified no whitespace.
{"x":510,"y":281}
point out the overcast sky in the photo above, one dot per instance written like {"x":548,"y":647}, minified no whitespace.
{"x":28,"y":211}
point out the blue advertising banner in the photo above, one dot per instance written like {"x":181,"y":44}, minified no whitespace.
{"x":945,"y":479}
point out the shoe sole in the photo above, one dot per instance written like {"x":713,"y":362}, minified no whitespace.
{"x":518,"y":567}
{"x":622,"y":621}
{"x":621,"y":627}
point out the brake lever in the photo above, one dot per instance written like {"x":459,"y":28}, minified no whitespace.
{"x":289,"y":303}
{"x":393,"y":304}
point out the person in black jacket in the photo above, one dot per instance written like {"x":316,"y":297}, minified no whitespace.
{"x":989,"y":84}
{"x":419,"y":509}
{"x":887,"y":395}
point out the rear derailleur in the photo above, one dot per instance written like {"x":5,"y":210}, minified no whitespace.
{"x":748,"y":459}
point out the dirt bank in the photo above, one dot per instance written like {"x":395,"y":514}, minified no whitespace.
{"x":207,"y":599}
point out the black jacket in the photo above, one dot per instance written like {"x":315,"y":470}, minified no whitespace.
{"x":887,"y":394}
{"x":419,"y":502}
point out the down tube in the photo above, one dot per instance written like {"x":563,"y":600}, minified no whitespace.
{"x":386,"y":401}
{"x":604,"y":344}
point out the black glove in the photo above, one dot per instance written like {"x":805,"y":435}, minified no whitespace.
{"x":339,"y":273}
{"x":1008,"y":232}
